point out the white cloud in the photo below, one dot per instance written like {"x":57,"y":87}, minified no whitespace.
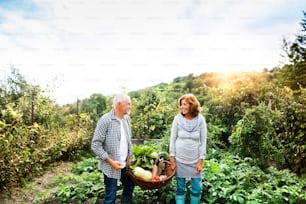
{"x":102,"y":46}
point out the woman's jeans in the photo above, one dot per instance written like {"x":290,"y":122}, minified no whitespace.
{"x":111,"y":188}
{"x":196,"y":186}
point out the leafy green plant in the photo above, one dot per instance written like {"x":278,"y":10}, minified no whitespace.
{"x":146,"y":156}
{"x":79,"y":187}
{"x":236,"y":180}
{"x":87,"y":165}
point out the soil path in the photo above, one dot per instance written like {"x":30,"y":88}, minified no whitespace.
{"x":35,"y":188}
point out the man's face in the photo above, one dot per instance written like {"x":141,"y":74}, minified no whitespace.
{"x":125,"y":106}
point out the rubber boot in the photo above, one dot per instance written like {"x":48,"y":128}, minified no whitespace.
{"x":194,"y":199}
{"x":180,"y":199}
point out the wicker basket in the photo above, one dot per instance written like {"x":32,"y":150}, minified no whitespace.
{"x":148,"y":185}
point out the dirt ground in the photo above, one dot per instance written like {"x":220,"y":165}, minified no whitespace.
{"x":29,"y":193}
{"x":34,"y":190}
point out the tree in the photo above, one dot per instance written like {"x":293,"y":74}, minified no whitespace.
{"x":95,"y":106}
{"x":296,"y":51}
{"x":294,"y":73}
{"x":13,"y":88}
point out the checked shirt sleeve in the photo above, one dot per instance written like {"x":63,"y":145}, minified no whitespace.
{"x":99,"y":139}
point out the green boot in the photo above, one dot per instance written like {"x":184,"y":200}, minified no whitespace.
{"x":194,"y":199}
{"x":180,"y":199}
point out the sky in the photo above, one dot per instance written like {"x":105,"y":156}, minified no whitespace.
{"x":80,"y":47}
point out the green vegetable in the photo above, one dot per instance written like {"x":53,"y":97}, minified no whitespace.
{"x":145,"y":156}
{"x":154,"y":155}
{"x":162,"y":165}
{"x":164,"y":155}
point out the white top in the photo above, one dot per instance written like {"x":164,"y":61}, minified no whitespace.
{"x":123,"y":145}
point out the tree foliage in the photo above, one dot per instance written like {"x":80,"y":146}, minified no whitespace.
{"x":294,"y":73}
{"x":152,"y":114}
{"x":34,"y":131}
{"x":94,"y":106}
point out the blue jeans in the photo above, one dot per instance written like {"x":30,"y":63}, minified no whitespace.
{"x":196,"y":186}
{"x":111,"y":188}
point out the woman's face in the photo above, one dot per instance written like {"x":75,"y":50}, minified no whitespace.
{"x":185,"y":107}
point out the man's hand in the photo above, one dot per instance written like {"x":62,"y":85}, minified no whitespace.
{"x":114,"y":164}
{"x":129,"y":162}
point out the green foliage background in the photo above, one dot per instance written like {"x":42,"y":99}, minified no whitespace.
{"x":257,"y":115}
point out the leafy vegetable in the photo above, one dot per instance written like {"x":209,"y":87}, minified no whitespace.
{"x":146,"y":156}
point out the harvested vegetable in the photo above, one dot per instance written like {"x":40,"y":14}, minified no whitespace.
{"x":156,"y":178}
{"x":164,"y":155}
{"x":148,"y":163}
{"x":154,"y":171}
{"x":146,"y":156}
{"x":142,"y":173}
{"x":163,"y":177}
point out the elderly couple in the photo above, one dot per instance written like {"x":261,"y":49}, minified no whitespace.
{"x":112,"y":146}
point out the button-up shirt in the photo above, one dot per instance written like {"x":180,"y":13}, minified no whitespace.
{"x":106,"y":142}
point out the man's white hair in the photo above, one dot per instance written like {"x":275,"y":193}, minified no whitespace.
{"x":120,"y":97}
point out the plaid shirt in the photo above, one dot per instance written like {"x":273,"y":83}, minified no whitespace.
{"x":106,"y":142}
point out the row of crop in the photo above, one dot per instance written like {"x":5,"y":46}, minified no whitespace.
{"x":226,"y":179}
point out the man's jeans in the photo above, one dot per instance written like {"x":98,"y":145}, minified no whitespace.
{"x":111,"y":188}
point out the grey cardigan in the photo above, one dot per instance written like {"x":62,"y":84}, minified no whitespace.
{"x":188,"y":146}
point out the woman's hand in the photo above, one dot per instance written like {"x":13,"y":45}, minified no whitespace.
{"x":199,"y":166}
{"x":172,"y":163}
